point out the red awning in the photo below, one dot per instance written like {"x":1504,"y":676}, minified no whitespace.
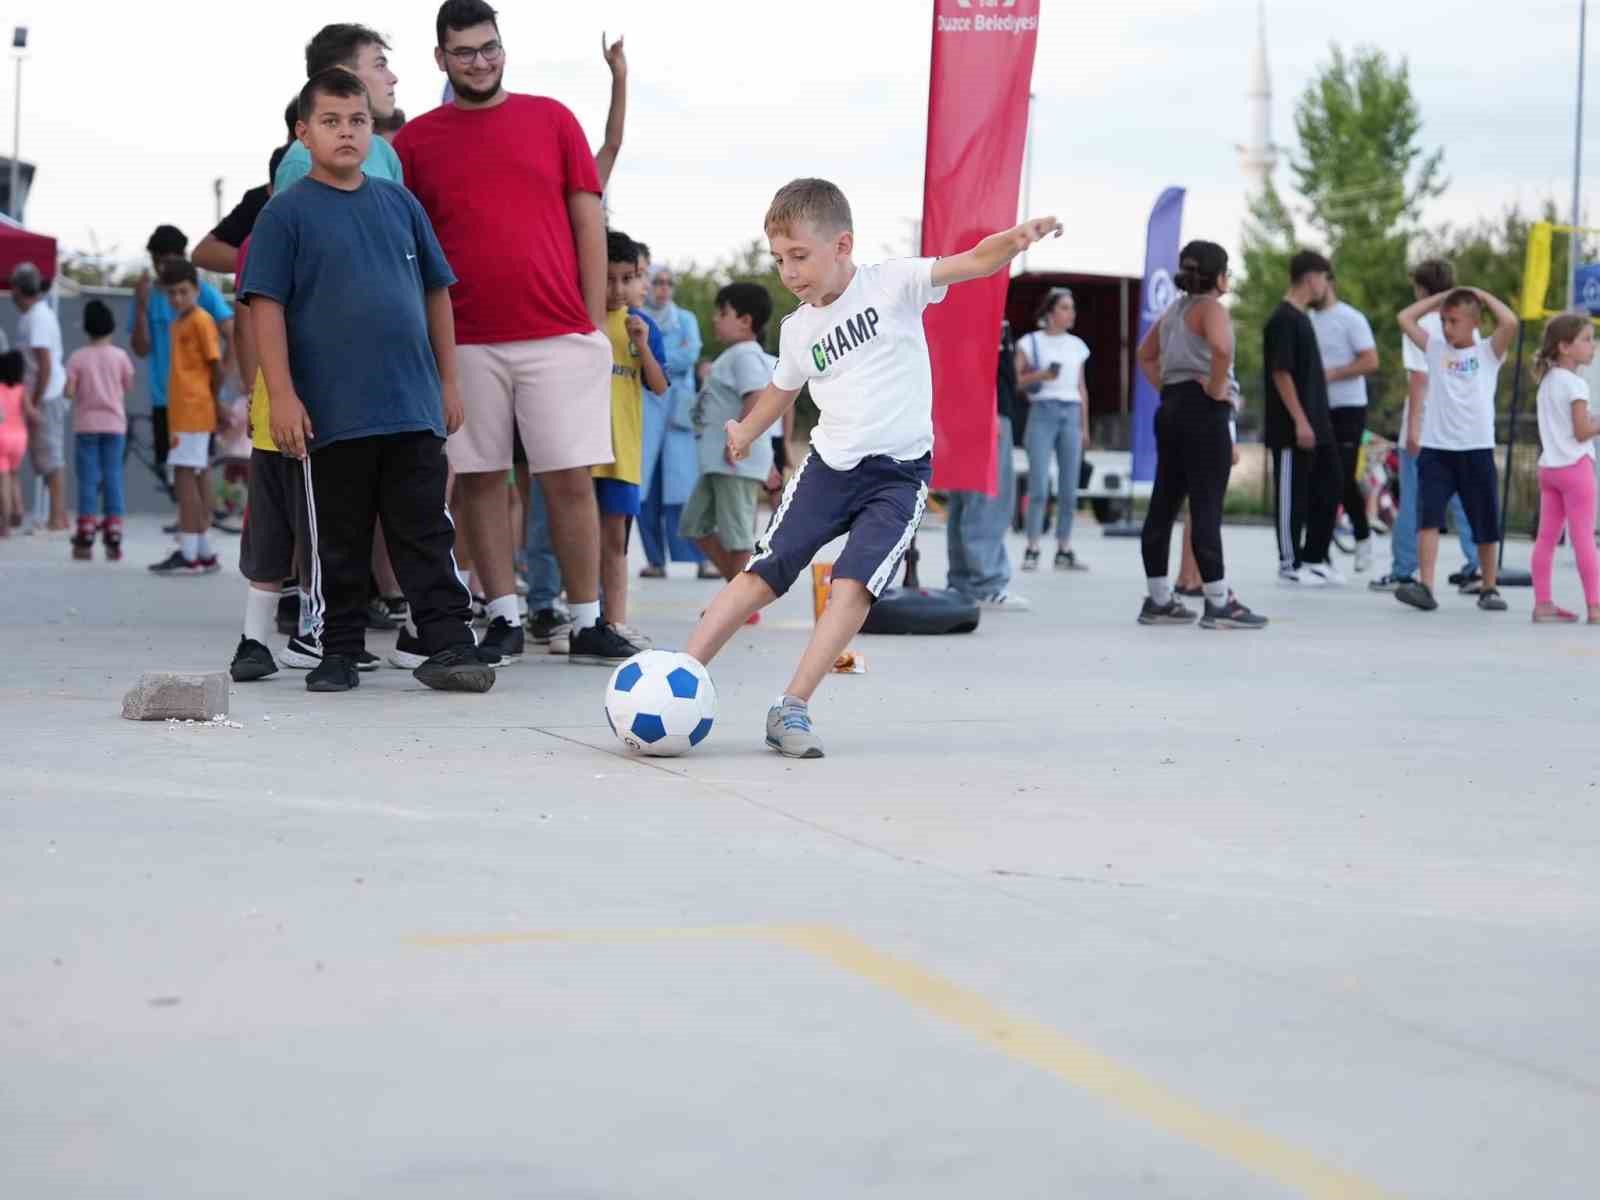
{"x":18,"y":245}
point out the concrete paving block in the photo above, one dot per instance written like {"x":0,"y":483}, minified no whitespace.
{"x":177,"y":696}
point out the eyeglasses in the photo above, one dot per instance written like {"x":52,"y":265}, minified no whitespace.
{"x":492,"y":53}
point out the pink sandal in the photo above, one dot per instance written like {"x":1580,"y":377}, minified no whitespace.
{"x":1553,"y":615}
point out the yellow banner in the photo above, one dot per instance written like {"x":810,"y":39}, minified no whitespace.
{"x":1536,"y":271}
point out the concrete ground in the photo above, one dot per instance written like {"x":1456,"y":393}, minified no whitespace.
{"x":1074,"y":908}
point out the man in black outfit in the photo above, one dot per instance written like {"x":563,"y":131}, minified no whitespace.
{"x":1299,"y":429}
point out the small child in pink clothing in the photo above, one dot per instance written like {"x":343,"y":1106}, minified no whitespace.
{"x":98,"y":379}
{"x":1567,"y":429}
{"x":15,"y":413}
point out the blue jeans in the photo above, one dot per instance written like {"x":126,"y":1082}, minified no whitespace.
{"x":97,"y":459}
{"x":1055,"y":430}
{"x":544,"y":572}
{"x":658,"y":527}
{"x":975,"y":531}
{"x":1403,"y":537}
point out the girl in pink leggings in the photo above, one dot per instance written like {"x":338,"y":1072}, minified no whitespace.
{"x":1566,"y":465}
{"x":15,"y":413}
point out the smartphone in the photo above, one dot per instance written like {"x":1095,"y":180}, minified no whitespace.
{"x":1055,"y":370}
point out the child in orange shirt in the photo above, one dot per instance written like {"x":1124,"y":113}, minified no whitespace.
{"x":194,"y":388}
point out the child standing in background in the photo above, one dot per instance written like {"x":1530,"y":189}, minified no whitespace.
{"x":1567,"y":429}
{"x":98,"y":378}
{"x":15,"y":413}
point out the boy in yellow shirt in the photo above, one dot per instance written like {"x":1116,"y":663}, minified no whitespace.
{"x":637,"y":352}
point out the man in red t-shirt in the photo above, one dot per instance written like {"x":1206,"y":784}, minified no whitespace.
{"x":510,"y":185}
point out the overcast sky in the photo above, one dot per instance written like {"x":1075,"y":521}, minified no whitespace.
{"x":130,"y":110}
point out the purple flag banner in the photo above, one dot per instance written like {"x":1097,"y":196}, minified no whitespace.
{"x":1160,"y":265}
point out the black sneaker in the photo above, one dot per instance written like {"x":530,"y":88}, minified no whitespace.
{"x":1231,"y":615}
{"x":1030,"y":560}
{"x":1066,"y":560}
{"x":1389,"y":583}
{"x":1490,"y":600}
{"x":600,"y":645}
{"x":303,"y":653}
{"x":458,"y":669}
{"x":502,"y":643}
{"x":1468,"y":580}
{"x":398,"y":608}
{"x":368,"y":661}
{"x":176,"y":564}
{"x":252,"y":661}
{"x":336,"y":673}
{"x":546,"y":623}
{"x":1170,"y":613}
{"x":408,"y":653}
{"x":1417,"y":595}
{"x":289,"y":613}
{"x":379,"y":618}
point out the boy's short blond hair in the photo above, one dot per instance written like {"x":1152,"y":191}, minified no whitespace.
{"x":809,"y":201}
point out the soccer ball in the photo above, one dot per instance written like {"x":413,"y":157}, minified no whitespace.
{"x":661,"y":703}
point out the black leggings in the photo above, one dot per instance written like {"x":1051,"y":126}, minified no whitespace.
{"x":1194,"y":456}
{"x":1348,"y":426}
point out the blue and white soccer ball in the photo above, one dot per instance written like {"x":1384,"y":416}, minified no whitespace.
{"x":661,"y":703}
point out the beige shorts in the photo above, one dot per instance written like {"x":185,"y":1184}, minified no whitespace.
{"x":556,"y":390}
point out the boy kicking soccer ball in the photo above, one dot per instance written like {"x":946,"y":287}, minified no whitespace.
{"x":857,"y":341}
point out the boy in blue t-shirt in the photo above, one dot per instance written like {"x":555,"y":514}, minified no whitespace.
{"x":351,"y":315}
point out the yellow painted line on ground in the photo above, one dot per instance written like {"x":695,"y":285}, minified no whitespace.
{"x":1030,"y":1042}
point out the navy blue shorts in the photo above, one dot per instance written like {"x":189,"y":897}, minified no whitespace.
{"x":879,"y":503}
{"x":1470,"y":474}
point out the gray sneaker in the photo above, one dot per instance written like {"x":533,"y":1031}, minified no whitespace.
{"x":1490,"y":600}
{"x":789,"y":731}
{"x":1170,"y":613}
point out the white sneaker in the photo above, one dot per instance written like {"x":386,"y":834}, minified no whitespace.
{"x":561,"y":640}
{"x":637,"y":638}
{"x":1290,"y":576}
{"x":1005,"y":602}
{"x":1325,"y":574}
{"x":1363,"y":556}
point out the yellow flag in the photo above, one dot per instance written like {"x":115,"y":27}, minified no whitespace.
{"x":1536,"y":272}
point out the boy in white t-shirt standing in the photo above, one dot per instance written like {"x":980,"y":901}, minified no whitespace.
{"x":1453,"y":434}
{"x":857,"y":342}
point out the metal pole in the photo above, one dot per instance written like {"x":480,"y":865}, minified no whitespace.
{"x":1027,"y":175}
{"x":1511,"y":442}
{"x":1577,"y":162}
{"x":16,"y":148}
{"x":216,"y":194}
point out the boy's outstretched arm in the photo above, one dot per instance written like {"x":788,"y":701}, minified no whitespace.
{"x":994,"y":252}
{"x":773,"y":403}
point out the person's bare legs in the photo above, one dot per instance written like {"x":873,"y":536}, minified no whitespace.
{"x":485,"y":519}
{"x":205,"y":498}
{"x":5,"y":503}
{"x":1428,"y":556}
{"x":614,"y":567}
{"x":1488,"y":552}
{"x":848,"y":605}
{"x":574,"y":531}
{"x":1189,"y":571}
{"x":726,"y":614}
{"x":193,"y":515}
{"x":58,"y":512}
{"x":730,"y":562}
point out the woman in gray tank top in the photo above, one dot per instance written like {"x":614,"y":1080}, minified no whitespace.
{"x":1188,"y":356}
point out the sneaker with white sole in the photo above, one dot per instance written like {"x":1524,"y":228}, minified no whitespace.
{"x":1171,"y":613}
{"x":408,"y":653}
{"x":502,"y":643}
{"x":1389,"y":583}
{"x":1005,"y":602}
{"x":1364,"y":555}
{"x":302,"y":653}
{"x":1290,"y":576}
{"x":789,"y":731}
{"x":1322,"y":574}
{"x":1231,"y":615}
{"x":634,"y":636}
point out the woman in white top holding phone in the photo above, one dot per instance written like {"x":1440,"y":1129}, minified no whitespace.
{"x":1050,"y":364}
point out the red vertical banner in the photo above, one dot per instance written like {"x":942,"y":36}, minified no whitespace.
{"x":977,"y":127}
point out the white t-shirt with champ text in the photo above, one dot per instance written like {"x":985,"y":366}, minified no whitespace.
{"x":1041,"y":349}
{"x":1343,"y":335}
{"x":39,"y":329}
{"x":1459,"y":411}
{"x":865,"y":358}
{"x":1558,"y":391}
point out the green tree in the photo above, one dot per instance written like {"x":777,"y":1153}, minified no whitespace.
{"x":1363,"y":177}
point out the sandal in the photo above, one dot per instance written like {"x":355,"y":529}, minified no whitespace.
{"x":1550,"y":614}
